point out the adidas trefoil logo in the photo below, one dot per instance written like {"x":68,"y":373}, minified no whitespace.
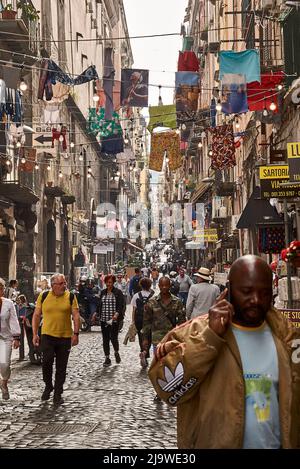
{"x":172,"y":381}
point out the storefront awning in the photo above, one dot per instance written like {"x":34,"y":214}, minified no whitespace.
{"x":18,"y":193}
{"x":201,"y":190}
{"x":135,"y":247}
{"x":258,"y":212}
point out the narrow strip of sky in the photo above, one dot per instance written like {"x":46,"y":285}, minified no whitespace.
{"x":155,"y":17}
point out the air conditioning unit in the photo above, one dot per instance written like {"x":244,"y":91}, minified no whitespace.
{"x":94,"y":23}
{"x":89,"y":7}
{"x":75,"y":238}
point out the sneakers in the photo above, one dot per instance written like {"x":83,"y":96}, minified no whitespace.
{"x":46,"y":393}
{"x":107,"y":362}
{"x":57,"y":399}
{"x":143,"y":360}
{"x":5,"y":392}
{"x":117,"y":357}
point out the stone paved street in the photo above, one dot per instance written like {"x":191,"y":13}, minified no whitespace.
{"x":104,"y":408}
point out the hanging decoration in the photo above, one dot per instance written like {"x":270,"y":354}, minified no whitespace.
{"x":51,"y":73}
{"x":271,"y":239}
{"x":213,"y":113}
{"x":30,"y":157}
{"x":162,"y":142}
{"x":100,"y":127}
{"x":112,"y":145}
{"x":135,"y":87}
{"x":187,"y":91}
{"x":162,"y":116}
{"x":262,"y":95}
{"x":188,"y":62}
{"x":223,"y":148}
{"x":234,"y":94}
{"x":108,"y":82}
{"x":246,"y":63}
{"x":60,"y":135}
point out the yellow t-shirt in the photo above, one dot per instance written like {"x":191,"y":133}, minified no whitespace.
{"x":56,"y":311}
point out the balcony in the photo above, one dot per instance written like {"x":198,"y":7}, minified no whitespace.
{"x":27,"y":33}
{"x":18,"y":193}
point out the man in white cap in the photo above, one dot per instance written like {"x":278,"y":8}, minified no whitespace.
{"x":202,"y":295}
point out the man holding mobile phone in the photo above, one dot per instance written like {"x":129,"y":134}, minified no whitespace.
{"x":230,"y":374}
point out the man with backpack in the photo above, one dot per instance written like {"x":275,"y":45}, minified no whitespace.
{"x":57,"y":337}
{"x":138,"y":303}
{"x":162,"y":313}
{"x":134,"y":285}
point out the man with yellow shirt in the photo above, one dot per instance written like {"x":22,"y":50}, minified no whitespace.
{"x":57,"y":306}
{"x":234,"y":375}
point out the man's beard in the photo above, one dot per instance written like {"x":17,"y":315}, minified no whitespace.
{"x":248,"y":319}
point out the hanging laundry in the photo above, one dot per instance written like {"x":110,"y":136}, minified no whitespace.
{"x":187,"y":91}
{"x":213,"y":113}
{"x":112,"y":145}
{"x":271,"y":239}
{"x":165,"y":142}
{"x":223,"y":147}
{"x":60,"y":93}
{"x":234,"y":94}
{"x":162,"y":116}
{"x":56,"y":134}
{"x":52,"y":73}
{"x":188,"y":62}
{"x":245,"y":63}
{"x":188,"y":42}
{"x":18,"y":110}
{"x":108,"y":82}
{"x":134,"y":87}
{"x":101,"y":127}
{"x":261,"y":95}
{"x":30,"y":156}
{"x":15,"y":134}
{"x":51,"y":114}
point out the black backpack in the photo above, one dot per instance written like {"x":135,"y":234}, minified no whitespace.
{"x":140,"y":305}
{"x":135,"y":285}
{"x":46,"y":293}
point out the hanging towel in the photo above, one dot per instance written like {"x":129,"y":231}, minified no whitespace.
{"x":234,"y":94}
{"x":165,"y":142}
{"x":223,"y":147}
{"x":162,"y":116}
{"x":188,"y":62}
{"x":245,"y":63}
{"x":261,"y":95}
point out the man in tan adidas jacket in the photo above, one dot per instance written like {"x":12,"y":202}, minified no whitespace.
{"x":234,"y":375}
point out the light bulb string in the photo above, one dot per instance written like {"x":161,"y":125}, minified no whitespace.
{"x":159,"y":86}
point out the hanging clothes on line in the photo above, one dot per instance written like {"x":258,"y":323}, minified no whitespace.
{"x":261,"y":95}
{"x":223,"y":147}
{"x":52,"y":73}
{"x":245,"y":63}
{"x":188,"y":62}
{"x":161,"y":143}
{"x":100,"y":127}
{"x":108,"y":82}
{"x":162,"y":116}
{"x":112,"y":145}
{"x":234,"y":94}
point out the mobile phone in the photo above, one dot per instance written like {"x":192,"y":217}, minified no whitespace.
{"x":228,"y":297}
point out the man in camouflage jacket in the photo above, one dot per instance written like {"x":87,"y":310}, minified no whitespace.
{"x":162,"y":313}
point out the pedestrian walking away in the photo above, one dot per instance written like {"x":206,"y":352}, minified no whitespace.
{"x":9,"y":338}
{"x":110,"y":312}
{"x":202,"y":295}
{"x":134,"y":285}
{"x":231,"y":374}
{"x":138,"y":303}
{"x":57,"y":306}
{"x":161,"y":314}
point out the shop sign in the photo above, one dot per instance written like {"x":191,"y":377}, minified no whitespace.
{"x":208,"y":235}
{"x":271,"y":178}
{"x":293,"y":152}
{"x":293,"y":315}
{"x":220,"y":278}
{"x":103,"y":248}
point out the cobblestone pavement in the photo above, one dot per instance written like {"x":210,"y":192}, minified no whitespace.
{"x":104,"y":407}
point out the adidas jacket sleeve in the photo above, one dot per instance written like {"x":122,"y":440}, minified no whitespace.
{"x":177,"y":377}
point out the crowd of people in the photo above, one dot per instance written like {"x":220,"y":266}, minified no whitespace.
{"x":202,"y":339}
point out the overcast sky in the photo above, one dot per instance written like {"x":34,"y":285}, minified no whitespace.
{"x":156,"y":54}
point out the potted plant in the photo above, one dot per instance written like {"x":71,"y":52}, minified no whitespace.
{"x":8,"y":13}
{"x":28,"y":10}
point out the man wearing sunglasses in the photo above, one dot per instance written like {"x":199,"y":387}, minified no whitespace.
{"x":57,"y":307}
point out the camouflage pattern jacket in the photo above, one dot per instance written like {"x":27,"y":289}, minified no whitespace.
{"x":159,"y":319}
